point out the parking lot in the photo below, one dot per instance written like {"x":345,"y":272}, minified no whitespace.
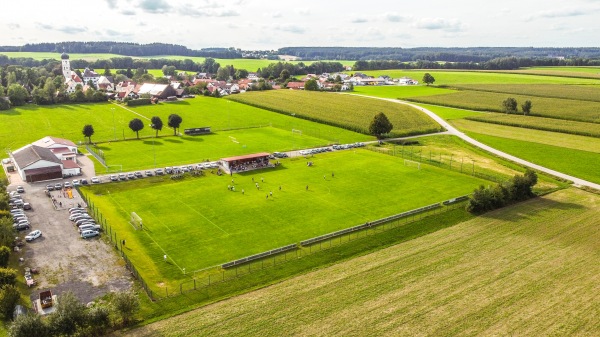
{"x":89,"y":267}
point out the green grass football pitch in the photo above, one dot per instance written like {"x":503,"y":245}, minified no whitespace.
{"x":199,"y":223}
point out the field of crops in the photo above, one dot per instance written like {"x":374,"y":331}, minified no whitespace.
{"x":400,"y":91}
{"x":539,"y":123}
{"x":575,"y":92}
{"x":584,"y":111}
{"x":199,"y":223}
{"x":346,"y":111}
{"x":448,"y":77}
{"x":576,"y":72}
{"x":527,"y":270}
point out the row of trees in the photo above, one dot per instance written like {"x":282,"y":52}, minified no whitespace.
{"x":136,"y":125}
{"x":509,"y":105}
{"x":73,"y":318}
{"x":518,"y":188}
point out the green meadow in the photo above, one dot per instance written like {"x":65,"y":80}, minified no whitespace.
{"x":400,"y":91}
{"x":198,"y":223}
{"x":576,"y":92}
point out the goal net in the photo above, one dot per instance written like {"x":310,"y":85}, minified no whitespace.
{"x":297,"y":132}
{"x":412,"y":163}
{"x":136,"y":220}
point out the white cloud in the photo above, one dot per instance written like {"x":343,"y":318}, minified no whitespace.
{"x":451,"y":25}
{"x":359,"y":20}
{"x":155,"y":6}
{"x":303,"y":11}
{"x":394,"y":17}
{"x":290,"y":28}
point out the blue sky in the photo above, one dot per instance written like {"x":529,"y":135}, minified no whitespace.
{"x":271,"y":24}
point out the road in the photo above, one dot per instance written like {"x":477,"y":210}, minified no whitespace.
{"x":452,"y":130}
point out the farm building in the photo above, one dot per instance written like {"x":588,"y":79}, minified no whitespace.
{"x":160,"y":91}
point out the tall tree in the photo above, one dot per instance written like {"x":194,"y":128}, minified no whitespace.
{"x":526,"y":107}
{"x":157,"y":124}
{"x":136,"y":125}
{"x":311,"y":85}
{"x":88,"y":131}
{"x":69,"y":316}
{"x":428,"y":79}
{"x":380,"y":125}
{"x":509,"y":105}
{"x":174,"y":122}
{"x":125,"y":304}
{"x":17,"y":94}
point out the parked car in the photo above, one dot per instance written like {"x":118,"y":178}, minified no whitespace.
{"x":168,"y":170}
{"x":33,"y":235}
{"x":89,"y":233}
{"x":67,"y":184}
{"x":20,"y":189}
{"x":88,"y":227}
{"x":130,"y":176}
{"x":122,"y":176}
{"x":138,"y":174}
{"x":82,"y":221}
{"x":50,"y":187}
{"x":159,"y":172}
{"x":84,"y":182}
{"x":114,"y":177}
{"x":58,"y":186}
{"x":75,"y":209}
{"x":75,"y":182}
{"x":95,"y":180}
{"x":149,"y":174}
{"x":27,"y":206}
{"x":21,"y":226}
{"x":280,"y":155}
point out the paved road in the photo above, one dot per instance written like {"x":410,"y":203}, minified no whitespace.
{"x":452,"y":130}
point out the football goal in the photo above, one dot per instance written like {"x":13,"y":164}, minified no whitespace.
{"x":136,"y":221}
{"x":412,"y":163}
{"x":296,"y":132}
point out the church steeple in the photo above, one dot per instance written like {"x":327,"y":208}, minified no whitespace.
{"x":66,"y":65}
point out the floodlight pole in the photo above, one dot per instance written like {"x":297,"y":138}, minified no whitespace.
{"x":114,"y":125}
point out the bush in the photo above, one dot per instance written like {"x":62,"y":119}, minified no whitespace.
{"x":518,"y":188}
{"x":29,"y":325}
{"x":4,"y":255}
{"x":7,"y":276}
{"x":9,"y":296}
{"x":125,"y":305}
{"x":139,"y":101}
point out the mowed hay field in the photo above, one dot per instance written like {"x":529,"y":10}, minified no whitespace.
{"x":576,"y":92}
{"x":528,"y":270}
{"x":346,"y":111}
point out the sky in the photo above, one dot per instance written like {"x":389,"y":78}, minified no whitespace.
{"x":272,"y":24}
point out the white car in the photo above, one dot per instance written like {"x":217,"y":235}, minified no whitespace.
{"x":95,"y":180}
{"x":33,"y":235}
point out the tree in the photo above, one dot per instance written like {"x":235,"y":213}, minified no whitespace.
{"x":125,"y":305}
{"x":526,"y":107}
{"x":4,"y":104}
{"x":380,"y":125}
{"x":9,"y":296}
{"x":428,"y":79}
{"x":284,"y":75}
{"x":241,"y":73}
{"x":17,"y":94}
{"x":98,"y":320}
{"x":136,"y":125}
{"x":311,"y":85}
{"x":509,"y":105}
{"x":107,"y":71}
{"x":7,"y":276}
{"x":88,"y":131}
{"x":157,"y":124}
{"x":174,"y":121}
{"x":7,"y":231}
{"x":70,"y":315}
{"x":222,"y":74}
{"x":4,"y":255}
{"x":29,"y":325}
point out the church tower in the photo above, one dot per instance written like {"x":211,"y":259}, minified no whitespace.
{"x":66,"y":65}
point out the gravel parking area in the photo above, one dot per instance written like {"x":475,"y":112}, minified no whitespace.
{"x":89,"y":268}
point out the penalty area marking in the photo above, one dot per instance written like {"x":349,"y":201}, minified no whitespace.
{"x":202,"y":215}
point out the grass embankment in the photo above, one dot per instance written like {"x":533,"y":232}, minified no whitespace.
{"x":529,"y":269}
{"x":350,"y":112}
{"x":577,"y":163}
{"x":199,"y":223}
